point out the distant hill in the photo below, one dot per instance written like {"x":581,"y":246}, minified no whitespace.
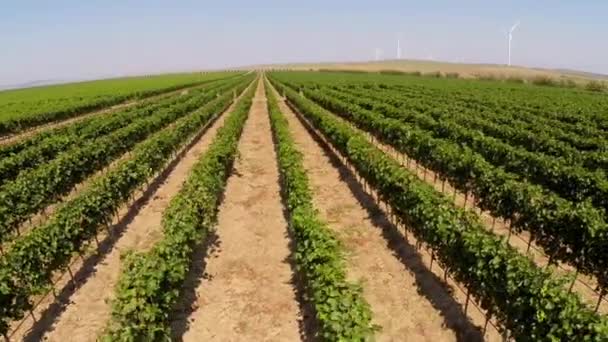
{"x":465,"y":70}
{"x":36,"y":83}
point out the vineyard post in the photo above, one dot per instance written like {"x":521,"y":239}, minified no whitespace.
{"x":71,"y":277}
{"x":599,"y":301}
{"x":466,"y":303}
{"x":33,"y":317}
{"x":485,"y":326}
{"x":549,"y":261}
{"x":573,"y":280}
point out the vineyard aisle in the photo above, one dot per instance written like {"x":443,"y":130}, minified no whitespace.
{"x":89,"y":308}
{"x":247,"y":294}
{"x":406,"y":299}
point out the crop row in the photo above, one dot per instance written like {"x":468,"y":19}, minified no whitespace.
{"x":150,"y":283}
{"x":492,"y":103}
{"x":61,"y":140}
{"x":532,"y":137}
{"x":574,"y":233}
{"x":526,"y":300}
{"x":340,"y":309}
{"x":497,"y":106}
{"x":570,"y":109}
{"x":26,"y":111}
{"x":572,"y":182}
{"x":27,"y":266}
{"x":35,"y":189}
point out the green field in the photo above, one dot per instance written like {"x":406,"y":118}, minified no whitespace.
{"x":379,"y":193}
{"x":23,"y":108}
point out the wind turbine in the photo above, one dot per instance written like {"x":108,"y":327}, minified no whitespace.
{"x":511,"y":38}
{"x":378,"y":52}
{"x":398,"y":47}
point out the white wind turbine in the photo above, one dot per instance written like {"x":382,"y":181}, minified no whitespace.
{"x":398,"y":47}
{"x":511,"y":38}
{"x":378,"y":53}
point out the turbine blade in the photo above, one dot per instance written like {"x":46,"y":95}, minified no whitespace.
{"x":514,"y":27}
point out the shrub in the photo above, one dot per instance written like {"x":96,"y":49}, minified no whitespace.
{"x":595,"y":86}
{"x":543,"y":80}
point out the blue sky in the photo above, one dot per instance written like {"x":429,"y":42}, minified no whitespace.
{"x":68,"y":39}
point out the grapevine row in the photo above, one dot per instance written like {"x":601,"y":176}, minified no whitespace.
{"x":572,"y":182}
{"x":340,"y":309}
{"x":534,"y":139}
{"x":19,"y":123}
{"x":48,"y":148}
{"x":35,"y":189}
{"x":573,"y":233}
{"x":150,"y":285}
{"x":465,"y":96}
{"x":527,"y":301}
{"x":27,"y":266}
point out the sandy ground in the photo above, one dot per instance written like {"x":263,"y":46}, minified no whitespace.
{"x":86,"y":309}
{"x":247,"y":294}
{"x":406,"y":299}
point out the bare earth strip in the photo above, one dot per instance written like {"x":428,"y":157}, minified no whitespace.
{"x":406,"y":300}
{"x":89,"y":309}
{"x":8,"y":139}
{"x":247,"y":294}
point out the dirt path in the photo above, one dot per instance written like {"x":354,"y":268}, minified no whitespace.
{"x":406,"y":300}
{"x":11,"y":138}
{"x":88,"y":309}
{"x":247,"y":294}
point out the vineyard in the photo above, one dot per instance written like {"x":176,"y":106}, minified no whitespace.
{"x":300,"y":205}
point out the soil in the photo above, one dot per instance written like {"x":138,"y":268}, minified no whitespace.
{"x":408,"y":301}
{"x":247,"y":292}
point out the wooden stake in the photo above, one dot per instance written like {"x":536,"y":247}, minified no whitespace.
{"x":485,"y":326}
{"x":466,"y":304}
{"x":599,"y":300}
{"x":573,"y":280}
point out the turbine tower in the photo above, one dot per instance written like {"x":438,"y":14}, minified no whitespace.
{"x":378,"y":52}
{"x":398,"y":49}
{"x":511,"y":38}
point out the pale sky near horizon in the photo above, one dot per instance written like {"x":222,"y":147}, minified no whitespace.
{"x":69,"y":39}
